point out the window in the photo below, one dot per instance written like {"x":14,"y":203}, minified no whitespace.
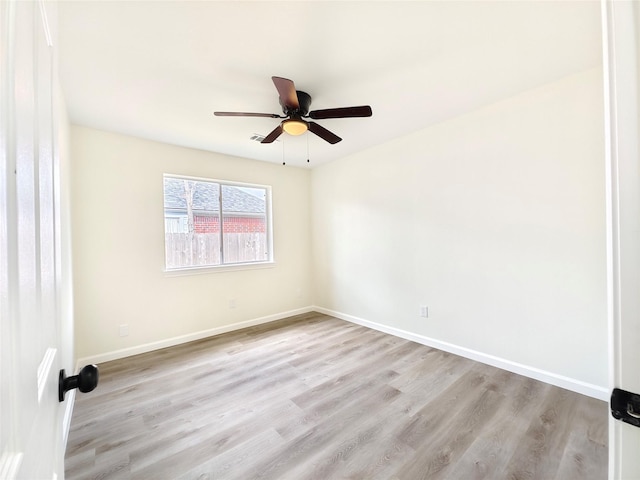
{"x":194,"y":234}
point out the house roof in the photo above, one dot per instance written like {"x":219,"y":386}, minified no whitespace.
{"x":235,"y":199}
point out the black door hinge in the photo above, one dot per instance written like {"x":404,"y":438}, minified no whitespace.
{"x":625,"y":406}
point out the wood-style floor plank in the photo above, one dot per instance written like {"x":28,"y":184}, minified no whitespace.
{"x":314,"y":397}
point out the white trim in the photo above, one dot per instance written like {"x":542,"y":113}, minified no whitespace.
{"x":170,"y":342}
{"x":216,"y":180}
{"x":206,"y":269}
{"x":620,"y":28}
{"x":574,"y":385}
{"x":612,"y":225}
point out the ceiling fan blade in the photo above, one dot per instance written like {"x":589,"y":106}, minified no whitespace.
{"x":275,"y":133}
{"x":246,"y":114}
{"x":323,"y":133}
{"x":287,"y":91}
{"x":345,"y":112}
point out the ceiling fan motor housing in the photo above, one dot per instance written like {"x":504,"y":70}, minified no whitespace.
{"x":304,"y":103}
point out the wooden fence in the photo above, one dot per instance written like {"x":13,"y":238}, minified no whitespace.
{"x":201,"y":249}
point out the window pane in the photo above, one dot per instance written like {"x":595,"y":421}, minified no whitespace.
{"x":191,"y":222}
{"x":244,"y":228}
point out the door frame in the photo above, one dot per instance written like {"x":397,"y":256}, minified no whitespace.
{"x":620,"y":30}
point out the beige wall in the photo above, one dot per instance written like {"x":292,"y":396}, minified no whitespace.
{"x":495,"y":220}
{"x":118,"y":247}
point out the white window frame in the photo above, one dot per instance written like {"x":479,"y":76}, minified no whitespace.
{"x":249,"y":265}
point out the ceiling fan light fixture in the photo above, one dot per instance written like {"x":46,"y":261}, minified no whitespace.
{"x":294,"y":127}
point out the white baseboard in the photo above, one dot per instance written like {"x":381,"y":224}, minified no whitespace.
{"x":170,"y":342}
{"x":595,"y":391}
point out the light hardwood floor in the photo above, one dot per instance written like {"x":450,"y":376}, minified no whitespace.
{"x":314,"y":397}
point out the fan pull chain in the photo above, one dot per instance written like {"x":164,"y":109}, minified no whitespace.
{"x":283,"y":162}
{"x":307,"y":135}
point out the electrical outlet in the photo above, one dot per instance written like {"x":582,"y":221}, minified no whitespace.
{"x":123,"y":330}
{"x":424,"y":311}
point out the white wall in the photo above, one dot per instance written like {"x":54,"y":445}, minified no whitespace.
{"x":495,"y":220}
{"x":118,"y":247}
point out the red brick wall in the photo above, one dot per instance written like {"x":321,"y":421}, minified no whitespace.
{"x":205,"y":224}
{"x":209,"y":224}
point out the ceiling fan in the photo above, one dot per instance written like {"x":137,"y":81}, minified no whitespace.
{"x":295,"y":106}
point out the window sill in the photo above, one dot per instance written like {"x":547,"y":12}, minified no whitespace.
{"x":180,"y":272}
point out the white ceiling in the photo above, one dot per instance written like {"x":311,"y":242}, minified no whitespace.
{"x":158,"y":70}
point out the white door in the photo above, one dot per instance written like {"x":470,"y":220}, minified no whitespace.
{"x":31,"y":271}
{"x":621,"y":30}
